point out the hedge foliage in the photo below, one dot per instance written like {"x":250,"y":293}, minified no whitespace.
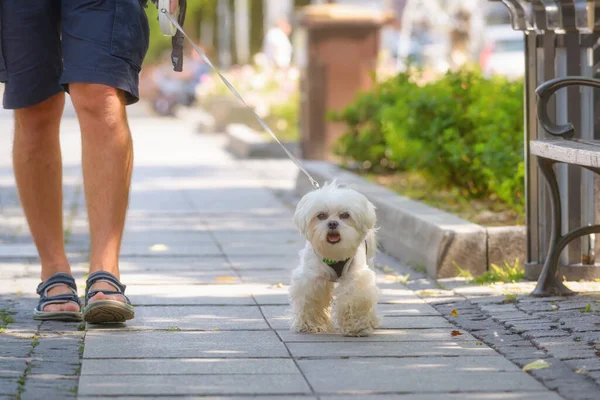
{"x":464,"y":131}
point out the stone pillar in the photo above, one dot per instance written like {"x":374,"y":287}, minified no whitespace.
{"x":336,"y":47}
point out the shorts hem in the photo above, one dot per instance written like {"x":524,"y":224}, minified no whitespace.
{"x":126,"y":82}
{"x":14,"y":100}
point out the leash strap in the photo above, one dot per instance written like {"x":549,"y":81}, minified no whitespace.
{"x":239,"y":97}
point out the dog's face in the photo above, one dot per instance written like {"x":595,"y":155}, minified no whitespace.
{"x":335,"y":220}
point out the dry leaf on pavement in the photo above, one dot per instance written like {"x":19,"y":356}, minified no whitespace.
{"x":456,"y":333}
{"x":537,"y":364}
{"x":454,"y":313}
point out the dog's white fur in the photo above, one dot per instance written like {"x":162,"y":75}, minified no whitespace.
{"x":312,"y":289}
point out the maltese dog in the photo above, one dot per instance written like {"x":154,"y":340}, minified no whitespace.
{"x":339,"y":225}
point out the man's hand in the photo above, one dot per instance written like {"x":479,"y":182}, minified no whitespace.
{"x":173,"y":6}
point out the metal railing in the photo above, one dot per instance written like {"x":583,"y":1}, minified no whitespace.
{"x":561,"y":39}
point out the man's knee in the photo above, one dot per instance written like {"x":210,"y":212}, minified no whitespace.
{"x":37,"y":120}
{"x":96,"y":103}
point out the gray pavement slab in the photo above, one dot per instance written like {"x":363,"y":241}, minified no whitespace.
{"x":383,"y":349}
{"x":190,"y":366}
{"x":225,"y":344}
{"x":219,"y":294}
{"x":174,"y":385}
{"x":452,"y":396}
{"x":384,"y":376}
{"x":195,"y":318}
{"x":380,"y":335}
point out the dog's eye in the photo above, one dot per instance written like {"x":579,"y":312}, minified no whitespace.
{"x":344,"y":215}
{"x":322,"y":216}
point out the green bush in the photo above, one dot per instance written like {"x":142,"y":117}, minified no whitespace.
{"x":464,"y":131}
{"x":364,"y":141}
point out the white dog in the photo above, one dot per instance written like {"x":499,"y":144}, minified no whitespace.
{"x":339,"y":225}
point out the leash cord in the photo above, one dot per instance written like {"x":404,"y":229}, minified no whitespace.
{"x":239,"y":97}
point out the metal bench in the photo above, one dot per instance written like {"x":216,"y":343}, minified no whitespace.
{"x":564,"y":148}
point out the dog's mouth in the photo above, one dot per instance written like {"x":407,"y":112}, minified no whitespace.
{"x":333,"y":237}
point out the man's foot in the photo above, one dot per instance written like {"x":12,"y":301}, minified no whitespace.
{"x":105,"y":300}
{"x":69,"y":306}
{"x":58,"y":299}
{"x":104,"y":286}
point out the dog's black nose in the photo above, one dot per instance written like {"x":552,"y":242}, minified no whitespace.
{"x":333,"y":224}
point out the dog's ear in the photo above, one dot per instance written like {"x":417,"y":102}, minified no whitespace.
{"x":368,"y":217}
{"x":301,"y":217}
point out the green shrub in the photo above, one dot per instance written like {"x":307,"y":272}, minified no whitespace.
{"x":464,"y":131}
{"x":364,"y":141}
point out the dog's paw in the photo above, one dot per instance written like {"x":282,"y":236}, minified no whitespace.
{"x":358,"y":332}
{"x":307,"y":327}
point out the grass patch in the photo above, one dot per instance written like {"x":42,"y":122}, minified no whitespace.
{"x":81,"y":326}
{"x":510,"y":298}
{"x":509,"y":273}
{"x":403,"y":279}
{"x":486,"y":211}
{"x":5,"y":319}
{"x":173,"y":329}
{"x":587,"y":309}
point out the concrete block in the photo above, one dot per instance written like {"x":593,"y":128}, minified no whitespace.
{"x":244,"y":142}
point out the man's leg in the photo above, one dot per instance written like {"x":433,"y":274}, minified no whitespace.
{"x":37,"y":166}
{"x":107,"y":165}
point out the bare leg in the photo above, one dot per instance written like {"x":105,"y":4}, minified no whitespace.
{"x":107,"y":166}
{"x":37,"y":164}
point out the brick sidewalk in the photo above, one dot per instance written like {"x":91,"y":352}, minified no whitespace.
{"x":208,"y":249}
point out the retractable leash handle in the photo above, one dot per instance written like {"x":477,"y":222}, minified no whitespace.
{"x":177,"y":25}
{"x":169,"y":29}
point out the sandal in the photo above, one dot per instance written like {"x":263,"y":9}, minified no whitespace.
{"x":106,"y":311}
{"x":58,"y":279}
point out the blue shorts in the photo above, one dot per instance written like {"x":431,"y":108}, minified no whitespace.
{"x":47,"y":44}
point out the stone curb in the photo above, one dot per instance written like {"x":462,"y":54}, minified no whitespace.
{"x":423,"y":236}
{"x":244,"y":142}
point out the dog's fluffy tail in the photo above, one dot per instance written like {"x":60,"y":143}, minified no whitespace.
{"x":371,"y":240}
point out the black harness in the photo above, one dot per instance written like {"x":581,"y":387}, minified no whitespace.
{"x":338,"y":266}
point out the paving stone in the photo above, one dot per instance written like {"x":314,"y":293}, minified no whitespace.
{"x":221,"y":294}
{"x":195,"y":318}
{"x":586,"y":364}
{"x":383,"y":377}
{"x":217,"y":397}
{"x":380,"y":335}
{"x":173,"y":385}
{"x":190,"y":366}
{"x":8,"y":386}
{"x":12,"y":367}
{"x":174,"y":249}
{"x":545,"y":333}
{"x":49,"y":386}
{"x":160,"y":236}
{"x":453,"y":396}
{"x":225,"y":344}
{"x":244,"y":262}
{"x":400,"y":349}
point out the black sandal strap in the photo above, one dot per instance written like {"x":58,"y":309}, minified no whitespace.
{"x":58,"y":279}
{"x":58,"y":299}
{"x":103,"y":276}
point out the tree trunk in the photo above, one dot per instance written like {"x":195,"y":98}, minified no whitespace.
{"x":257,"y":31}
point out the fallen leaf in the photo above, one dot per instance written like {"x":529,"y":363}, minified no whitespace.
{"x":390,"y":277}
{"x":226,"y":279}
{"x":479,"y":343}
{"x":581,"y":371}
{"x":387,"y":268}
{"x":456,"y":333}
{"x":159,"y":247}
{"x":344,"y":357}
{"x":279,"y":285}
{"x":454,"y":313}
{"x":537,"y":364}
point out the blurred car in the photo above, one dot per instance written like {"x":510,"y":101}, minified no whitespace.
{"x":503,"y":52}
